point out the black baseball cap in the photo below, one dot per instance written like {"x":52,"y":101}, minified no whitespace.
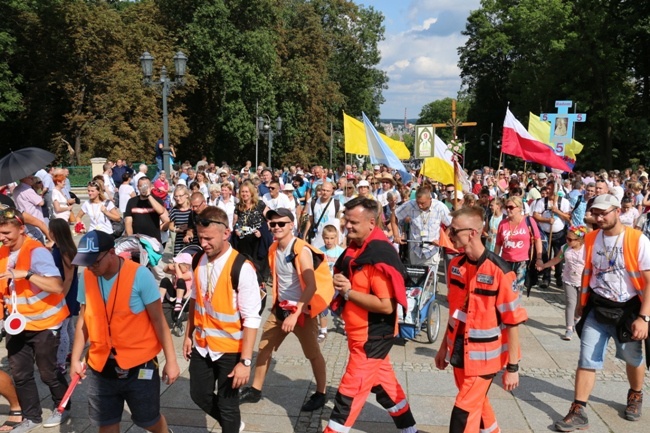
{"x":279,"y":213}
{"x":91,"y":245}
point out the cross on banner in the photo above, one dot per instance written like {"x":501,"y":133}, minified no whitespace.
{"x":562,"y":124}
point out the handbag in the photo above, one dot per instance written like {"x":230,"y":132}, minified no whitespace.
{"x":118,"y":226}
{"x":313,"y":230}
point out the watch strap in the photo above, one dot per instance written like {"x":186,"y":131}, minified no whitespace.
{"x":29,"y":275}
{"x":645,"y":318}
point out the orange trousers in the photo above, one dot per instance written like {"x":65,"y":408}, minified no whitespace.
{"x":362,"y":376}
{"x":472,"y":411}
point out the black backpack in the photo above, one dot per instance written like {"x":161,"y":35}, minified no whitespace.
{"x":236,"y":270}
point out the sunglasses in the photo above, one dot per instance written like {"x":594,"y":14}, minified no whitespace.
{"x":454,"y":232}
{"x":272,"y":188}
{"x":93,"y":183}
{"x":450,"y":191}
{"x":281,"y":224}
{"x":375,"y":183}
{"x":511,"y":207}
{"x":349,"y":187}
{"x":9,"y":214}
{"x":205,"y":222}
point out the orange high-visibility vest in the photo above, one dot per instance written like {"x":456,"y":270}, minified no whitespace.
{"x":324,"y":283}
{"x":219,"y":327}
{"x":630,"y":257}
{"x":132,"y":335}
{"x":491,"y":301}
{"x":43,"y":310}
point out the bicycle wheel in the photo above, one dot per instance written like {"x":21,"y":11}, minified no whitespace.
{"x":433,"y":321}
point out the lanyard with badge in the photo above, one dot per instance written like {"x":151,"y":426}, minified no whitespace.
{"x":15,"y":322}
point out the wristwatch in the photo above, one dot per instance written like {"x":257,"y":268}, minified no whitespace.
{"x":30,"y":273}
{"x":646,"y":319}
{"x":246,"y":361}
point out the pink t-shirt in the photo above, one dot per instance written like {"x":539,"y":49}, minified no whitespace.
{"x":515,"y":241}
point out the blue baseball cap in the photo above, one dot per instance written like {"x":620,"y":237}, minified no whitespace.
{"x":91,"y":245}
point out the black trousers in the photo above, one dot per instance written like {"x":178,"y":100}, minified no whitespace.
{"x":25,"y":348}
{"x":222,"y":405}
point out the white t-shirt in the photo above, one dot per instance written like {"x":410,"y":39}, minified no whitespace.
{"x":228,"y":207}
{"x":98,"y":220}
{"x":558,"y":224}
{"x":328,"y":218}
{"x":58,"y":196}
{"x":289,"y":288}
{"x":125,"y":192}
{"x":609,"y":277}
{"x":275,"y":203}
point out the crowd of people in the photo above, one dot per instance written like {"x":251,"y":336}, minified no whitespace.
{"x":323,"y":241}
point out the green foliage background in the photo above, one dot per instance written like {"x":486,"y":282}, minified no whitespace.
{"x":70,"y":73}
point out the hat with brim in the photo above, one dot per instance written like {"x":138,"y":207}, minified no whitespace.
{"x":387,"y":177}
{"x":183,"y":258}
{"x":541,"y":176}
{"x":605,"y":201}
{"x":288,"y":187}
{"x":91,"y":245}
{"x":363,"y":183}
{"x":279,"y":213}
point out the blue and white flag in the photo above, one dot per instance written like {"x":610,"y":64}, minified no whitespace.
{"x":379,"y":151}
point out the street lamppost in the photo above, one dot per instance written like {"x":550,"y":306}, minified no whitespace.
{"x":338,"y":140}
{"x":180,"y":64}
{"x":483,"y":143}
{"x":264,"y":128}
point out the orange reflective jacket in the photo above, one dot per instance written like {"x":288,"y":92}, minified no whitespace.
{"x":324,"y":284}
{"x":630,"y":257}
{"x":43,"y":310}
{"x":131,"y":335}
{"x":218,"y":324}
{"x":486,"y":292}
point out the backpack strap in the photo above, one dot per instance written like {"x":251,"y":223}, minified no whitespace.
{"x":236,"y":270}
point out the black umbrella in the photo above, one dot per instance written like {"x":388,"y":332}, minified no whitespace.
{"x":23,"y":163}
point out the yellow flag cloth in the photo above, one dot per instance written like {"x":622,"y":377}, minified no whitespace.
{"x":541,"y":131}
{"x":356,"y":141}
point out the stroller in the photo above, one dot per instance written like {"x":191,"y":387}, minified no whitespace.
{"x":175,"y":319}
{"x":423,"y":310}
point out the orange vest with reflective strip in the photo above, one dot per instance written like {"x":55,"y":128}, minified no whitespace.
{"x":132,"y":335}
{"x":218,"y":325}
{"x":630,"y":257}
{"x":324,"y":283}
{"x":43,"y":310}
{"x":491,"y":301}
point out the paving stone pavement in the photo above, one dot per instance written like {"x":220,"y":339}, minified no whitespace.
{"x":544,"y":395}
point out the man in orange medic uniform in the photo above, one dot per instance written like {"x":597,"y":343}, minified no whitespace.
{"x":370,"y":279}
{"x":482,"y":336}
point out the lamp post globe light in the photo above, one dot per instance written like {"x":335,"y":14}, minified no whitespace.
{"x":166,"y":84}
{"x":264,"y":128}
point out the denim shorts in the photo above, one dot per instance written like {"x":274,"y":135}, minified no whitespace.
{"x":593,"y":345}
{"x":106,"y":399}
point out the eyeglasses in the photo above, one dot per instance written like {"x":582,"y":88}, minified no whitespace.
{"x":205,"y":222}
{"x":9,"y":214}
{"x":281,"y":224}
{"x":98,"y":261}
{"x":454,"y":232}
{"x":451,"y":191}
{"x":604,"y":214}
{"x":511,"y":207}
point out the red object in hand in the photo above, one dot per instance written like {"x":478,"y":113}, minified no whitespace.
{"x":79,"y":227}
{"x":73,"y":384}
{"x":292,"y":307}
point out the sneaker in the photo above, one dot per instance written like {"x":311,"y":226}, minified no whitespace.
{"x":544,"y":285}
{"x":250,"y":395}
{"x":576,"y":419}
{"x":241,"y":426}
{"x":322,"y":336}
{"x":178,"y":307}
{"x":56,"y":418}
{"x":567,"y":335}
{"x":634,"y":403}
{"x":26,"y":426}
{"x":316,"y":401}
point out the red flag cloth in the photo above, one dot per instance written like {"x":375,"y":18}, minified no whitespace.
{"x":517,"y":141}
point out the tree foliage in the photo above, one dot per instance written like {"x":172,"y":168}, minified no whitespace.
{"x":70,"y":73}
{"x":594,"y":52}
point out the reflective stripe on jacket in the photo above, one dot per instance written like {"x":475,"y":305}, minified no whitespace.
{"x":630,"y":257}
{"x":491,"y":302}
{"x":218,"y":324}
{"x":131,"y":335}
{"x":43,"y":310}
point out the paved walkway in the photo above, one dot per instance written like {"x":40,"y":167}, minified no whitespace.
{"x":547,"y":372}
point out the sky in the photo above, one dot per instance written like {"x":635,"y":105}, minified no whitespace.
{"x":419,"y":52}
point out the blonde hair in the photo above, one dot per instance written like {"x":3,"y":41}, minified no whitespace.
{"x":254,"y":196}
{"x":516,"y":201}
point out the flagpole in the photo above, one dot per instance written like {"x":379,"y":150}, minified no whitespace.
{"x":500,"y":157}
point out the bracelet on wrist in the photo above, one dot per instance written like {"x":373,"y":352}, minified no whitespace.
{"x":512,"y":368}
{"x":346,"y":295}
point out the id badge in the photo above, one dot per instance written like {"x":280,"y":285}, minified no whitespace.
{"x":460,"y":315}
{"x":423,"y":234}
{"x":145,"y":374}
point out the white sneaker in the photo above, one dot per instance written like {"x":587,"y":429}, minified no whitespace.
{"x":56,"y":418}
{"x":26,"y":426}
{"x":241,"y":426}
